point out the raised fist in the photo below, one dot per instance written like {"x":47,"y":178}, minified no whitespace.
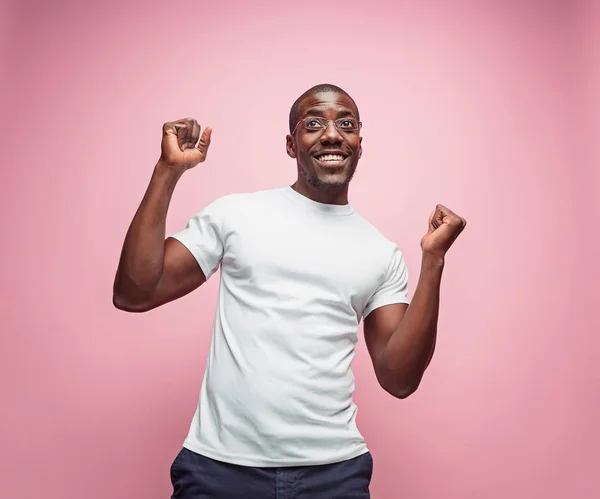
{"x":444,"y":227}
{"x":180,"y":147}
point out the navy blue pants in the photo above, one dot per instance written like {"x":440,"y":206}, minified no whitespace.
{"x":198,"y":477}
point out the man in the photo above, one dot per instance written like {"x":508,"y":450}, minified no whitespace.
{"x":299,"y":269}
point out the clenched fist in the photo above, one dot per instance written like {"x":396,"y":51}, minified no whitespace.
{"x":444,"y":227}
{"x":180,"y":147}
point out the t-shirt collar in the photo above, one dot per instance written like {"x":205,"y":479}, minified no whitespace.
{"x":332,"y":209}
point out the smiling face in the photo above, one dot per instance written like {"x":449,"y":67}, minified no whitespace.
{"x":326,"y":159}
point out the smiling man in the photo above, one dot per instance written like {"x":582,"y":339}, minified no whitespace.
{"x":300,"y":268}
{"x":326,"y":162}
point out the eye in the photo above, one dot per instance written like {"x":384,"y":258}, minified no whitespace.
{"x":313,"y":123}
{"x":348,"y":124}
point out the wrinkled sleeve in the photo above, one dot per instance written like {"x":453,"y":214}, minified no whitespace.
{"x":394,"y":285}
{"x":203,"y":237}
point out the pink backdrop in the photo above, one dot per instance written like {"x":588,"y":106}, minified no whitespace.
{"x":487,"y":107}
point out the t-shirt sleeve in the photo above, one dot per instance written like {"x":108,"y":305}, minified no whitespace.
{"x":394,"y":285}
{"x":203,"y":237}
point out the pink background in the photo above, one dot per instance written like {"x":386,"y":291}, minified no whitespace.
{"x":488,"y":107}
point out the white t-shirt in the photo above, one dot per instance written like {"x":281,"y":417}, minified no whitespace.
{"x":297,"y":276}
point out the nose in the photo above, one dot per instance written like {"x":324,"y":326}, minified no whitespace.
{"x":331,"y":134}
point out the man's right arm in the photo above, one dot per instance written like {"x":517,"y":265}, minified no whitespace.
{"x":153,"y":270}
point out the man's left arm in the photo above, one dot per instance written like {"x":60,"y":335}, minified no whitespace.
{"x":401,"y":338}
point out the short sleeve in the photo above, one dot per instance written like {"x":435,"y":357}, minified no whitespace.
{"x":203,"y":237}
{"x":394,"y":285}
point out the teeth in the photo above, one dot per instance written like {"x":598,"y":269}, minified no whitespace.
{"x":331,"y":157}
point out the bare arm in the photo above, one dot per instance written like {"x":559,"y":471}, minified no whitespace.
{"x":401,"y":339}
{"x":152,"y":270}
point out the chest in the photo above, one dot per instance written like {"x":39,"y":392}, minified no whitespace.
{"x":326,"y":259}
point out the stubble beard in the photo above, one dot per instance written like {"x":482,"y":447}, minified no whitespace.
{"x":312,"y":178}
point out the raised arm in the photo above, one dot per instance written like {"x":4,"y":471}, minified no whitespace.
{"x":153,"y":270}
{"x":401,"y":339}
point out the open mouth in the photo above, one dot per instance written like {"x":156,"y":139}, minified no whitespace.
{"x":331,"y":160}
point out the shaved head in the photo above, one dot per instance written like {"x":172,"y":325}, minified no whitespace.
{"x":317,"y":89}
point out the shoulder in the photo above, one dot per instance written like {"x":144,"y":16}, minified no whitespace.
{"x":377,"y":239}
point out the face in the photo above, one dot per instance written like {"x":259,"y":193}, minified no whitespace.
{"x":326,"y":158}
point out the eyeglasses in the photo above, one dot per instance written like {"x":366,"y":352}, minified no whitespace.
{"x":342,"y":124}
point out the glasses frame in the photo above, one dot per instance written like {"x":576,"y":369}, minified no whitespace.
{"x":335,"y":124}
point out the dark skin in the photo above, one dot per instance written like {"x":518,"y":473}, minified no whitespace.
{"x":400,"y":338}
{"x":304,"y":145}
{"x":153,"y":270}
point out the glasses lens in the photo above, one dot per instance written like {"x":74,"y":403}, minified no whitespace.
{"x":349,"y":124}
{"x":315,"y":123}
{"x":343,"y":124}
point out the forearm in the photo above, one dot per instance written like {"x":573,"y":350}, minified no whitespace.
{"x":409,"y":349}
{"x":141,"y":262}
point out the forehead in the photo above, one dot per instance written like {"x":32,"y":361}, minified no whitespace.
{"x":328,"y":102}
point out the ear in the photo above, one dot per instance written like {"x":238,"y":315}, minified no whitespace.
{"x":360,"y":147}
{"x":290,"y":146}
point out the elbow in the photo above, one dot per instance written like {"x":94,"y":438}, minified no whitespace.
{"x":121,"y":303}
{"x":131,"y":298}
{"x":399,"y":388}
{"x":402,"y":392}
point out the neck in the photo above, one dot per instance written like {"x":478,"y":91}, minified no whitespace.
{"x":333,"y":196}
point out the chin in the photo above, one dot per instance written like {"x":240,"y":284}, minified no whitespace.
{"x":330,"y":183}
{"x":327,"y":182}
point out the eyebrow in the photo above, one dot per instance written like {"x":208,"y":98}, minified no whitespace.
{"x":318,"y":112}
